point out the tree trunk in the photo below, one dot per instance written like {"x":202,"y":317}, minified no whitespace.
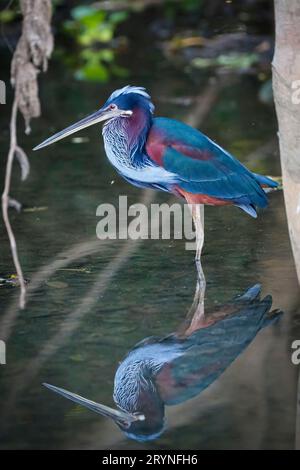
{"x":286,"y":86}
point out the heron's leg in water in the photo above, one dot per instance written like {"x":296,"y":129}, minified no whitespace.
{"x":198,"y":218}
{"x":195,"y":318}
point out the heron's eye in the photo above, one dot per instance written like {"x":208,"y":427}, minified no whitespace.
{"x":113,"y":106}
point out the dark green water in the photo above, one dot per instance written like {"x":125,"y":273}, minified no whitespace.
{"x":85,"y":311}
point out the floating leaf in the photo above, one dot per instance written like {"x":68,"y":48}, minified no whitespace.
{"x":77,"y":358}
{"x":57,"y":284}
{"x":79,"y":140}
{"x":35,"y":209}
{"x":76,"y":270}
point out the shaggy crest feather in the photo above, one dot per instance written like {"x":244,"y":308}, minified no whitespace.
{"x":139,"y":90}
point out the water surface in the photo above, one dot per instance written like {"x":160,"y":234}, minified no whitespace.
{"x":90,"y":302}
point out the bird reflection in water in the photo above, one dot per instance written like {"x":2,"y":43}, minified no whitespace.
{"x":169,"y":370}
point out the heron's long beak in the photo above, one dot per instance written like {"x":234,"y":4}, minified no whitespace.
{"x":119,"y":416}
{"x":101,"y":115}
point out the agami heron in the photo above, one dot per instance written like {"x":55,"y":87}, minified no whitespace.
{"x":175,"y":368}
{"x":168,"y":155}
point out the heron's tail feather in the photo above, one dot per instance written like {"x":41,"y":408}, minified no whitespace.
{"x":265,"y":181}
{"x":250,"y":294}
{"x":249,"y":209}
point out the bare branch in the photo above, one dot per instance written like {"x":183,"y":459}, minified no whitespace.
{"x":5,"y":202}
{"x":32,"y":53}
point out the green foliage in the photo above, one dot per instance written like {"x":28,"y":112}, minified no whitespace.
{"x":91,"y":25}
{"x":6,"y":16}
{"x":94,"y":30}
{"x":95,"y":66}
{"x":10,"y":13}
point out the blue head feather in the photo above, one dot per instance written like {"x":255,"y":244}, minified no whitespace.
{"x":130,"y":97}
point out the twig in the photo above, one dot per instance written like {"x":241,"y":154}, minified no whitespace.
{"x":5,"y":202}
